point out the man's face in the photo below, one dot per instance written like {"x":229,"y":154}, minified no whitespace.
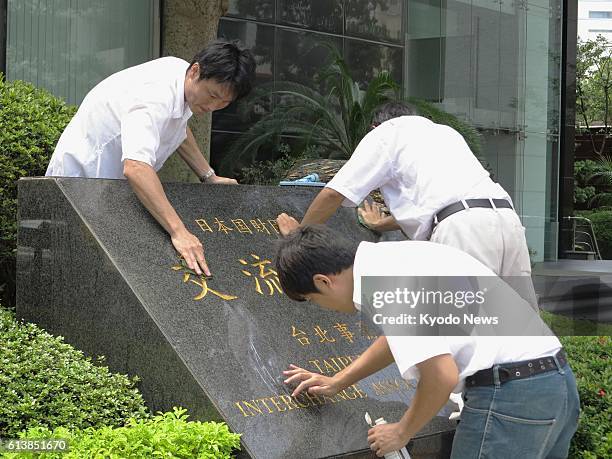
{"x":204,"y":96}
{"x":335,"y":291}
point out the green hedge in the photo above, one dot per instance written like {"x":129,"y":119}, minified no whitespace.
{"x":31,"y":122}
{"x":590,"y":358}
{"x":167,"y":435}
{"x":46,"y":382}
{"x":602,"y":225}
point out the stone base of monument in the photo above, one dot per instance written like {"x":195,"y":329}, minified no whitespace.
{"x":94,"y":267}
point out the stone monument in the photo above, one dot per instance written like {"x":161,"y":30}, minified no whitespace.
{"x":95,"y":267}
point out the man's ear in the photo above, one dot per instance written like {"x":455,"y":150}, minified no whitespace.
{"x":194,"y":70}
{"x":321,"y":282}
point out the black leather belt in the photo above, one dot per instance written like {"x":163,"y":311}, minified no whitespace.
{"x":458,"y":207}
{"x":516,"y":370}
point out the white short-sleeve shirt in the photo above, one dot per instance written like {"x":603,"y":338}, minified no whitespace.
{"x":138,"y":113}
{"x":471,"y":354}
{"x":420,"y":168}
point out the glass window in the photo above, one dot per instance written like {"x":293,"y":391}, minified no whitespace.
{"x":68,"y":47}
{"x":422,"y":72}
{"x":301,"y":55}
{"x":259,"y":39}
{"x":600,"y":14}
{"x":323,"y":15}
{"x":262,"y":10}
{"x":366,"y":60}
{"x":374,"y":19}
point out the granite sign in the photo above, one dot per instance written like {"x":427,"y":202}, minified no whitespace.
{"x":94,"y":267}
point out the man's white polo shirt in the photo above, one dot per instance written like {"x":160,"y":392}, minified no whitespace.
{"x":471,"y":354}
{"x":420,"y":168}
{"x":138,"y":113}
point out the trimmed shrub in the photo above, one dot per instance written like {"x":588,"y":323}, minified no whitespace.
{"x":584,"y":189}
{"x":602,"y":225}
{"x":167,"y":435}
{"x":590,"y":357}
{"x":46,"y":382}
{"x":31,"y":122}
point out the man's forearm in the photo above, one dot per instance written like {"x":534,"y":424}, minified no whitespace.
{"x":145,"y":183}
{"x":323,"y":207}
{"x":439,"y":376}
{"x":191,"y":154}
{"x":375,"y":358}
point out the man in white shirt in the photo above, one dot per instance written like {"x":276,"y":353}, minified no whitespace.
{"x":434,"y":187}
{"x":520,"y":394}
{"x":130,"y":123}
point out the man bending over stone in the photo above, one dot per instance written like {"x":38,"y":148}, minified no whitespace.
{"x":130,"y":123}
{"x":435,"y":189}
{"x":520,"y":394}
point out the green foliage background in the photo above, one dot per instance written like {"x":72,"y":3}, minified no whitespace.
{"x":46,"y":382}
{"x":168,"y":435}
{"x":31,"y":122}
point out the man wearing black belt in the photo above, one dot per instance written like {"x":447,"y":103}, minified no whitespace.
{"x":520,"y":393}
{"x":435,"y":189}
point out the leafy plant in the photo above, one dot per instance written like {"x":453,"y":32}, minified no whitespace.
{"x":594,"y":89}
{"x":31,"y":121}
{"x":583,"y":189}
{"x":47,"y":383}
{"x":602,"y":225}
{"x":589,"y":357}
{"x":603,"y":178}
{"x":167,"y":435}
{"x":335,"y":119}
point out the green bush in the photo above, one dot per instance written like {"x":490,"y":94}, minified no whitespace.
{"x":584,"y":189}
{"x":590,"y":357}
{"x":602,"y":225}
{"x":31,"y":121}
{"x":167,"y":435}
{"x":46,"y":382}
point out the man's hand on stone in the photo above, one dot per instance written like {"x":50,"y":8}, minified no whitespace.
{"x":313,"y":383}
{"x":371,"y":214}
{"x":385,"y":438}
{"x":217,"y":180}
{"x":191,"y":250}
{"x":286,"y":224}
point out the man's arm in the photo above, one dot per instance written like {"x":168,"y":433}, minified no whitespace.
{"x":191,"y":154}
{"x":375,"y":358}
{"x":319,"y":211}
{"x":144,"y":181}
{"x":439,"y":375}
{"x":373,"y":218}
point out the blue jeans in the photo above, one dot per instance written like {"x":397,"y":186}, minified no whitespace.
{"x":534,"y":417}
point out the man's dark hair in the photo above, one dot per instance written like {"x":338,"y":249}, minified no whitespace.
{"x":310,"y":250}
{"x":227,"y":62}
{"x":391,"y":110}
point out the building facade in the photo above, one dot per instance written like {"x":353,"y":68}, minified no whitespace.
{"x":594,"y":18}
{"x":504,"y":66}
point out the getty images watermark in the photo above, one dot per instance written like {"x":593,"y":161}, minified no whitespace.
{"x":451,"y":306}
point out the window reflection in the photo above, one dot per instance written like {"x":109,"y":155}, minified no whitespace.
{"x":366,"y":60}
{"x":301,"y":55}
{"x":324,"y":15}
{"x":374,"y":19}
{"x":262,"y":10}
{"x":260,"y":39}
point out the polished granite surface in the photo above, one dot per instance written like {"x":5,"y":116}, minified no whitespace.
{"x":95,"y":267}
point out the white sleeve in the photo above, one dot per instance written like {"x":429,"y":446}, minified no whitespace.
{"x":408,"y":351}
{"x":140,"y":133}
{"x":370,"y":167}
